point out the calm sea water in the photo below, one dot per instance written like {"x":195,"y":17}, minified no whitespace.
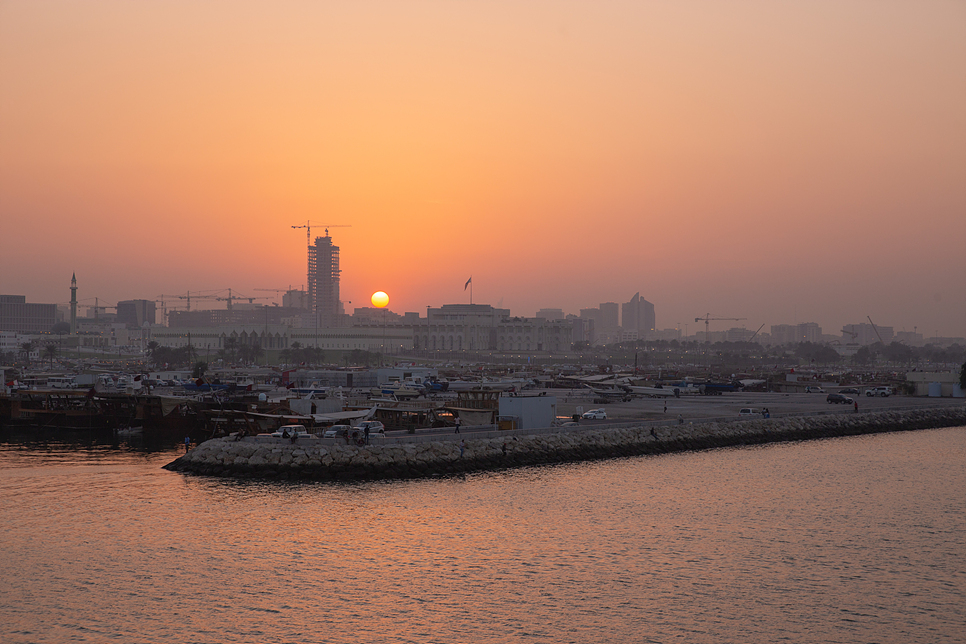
{"x":847,"y":540}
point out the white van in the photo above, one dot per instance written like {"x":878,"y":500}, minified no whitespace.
{"x":749,"y":411}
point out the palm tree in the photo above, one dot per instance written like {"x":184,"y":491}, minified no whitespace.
{"x":231,"y":346}
{"x":25,"y":350}
{"x":251,"y":352}
{"x":50,"y":352}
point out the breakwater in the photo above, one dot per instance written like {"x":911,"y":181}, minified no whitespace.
{"x":315,"y":459}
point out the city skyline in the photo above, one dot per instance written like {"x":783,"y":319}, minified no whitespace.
{"x":783,"y":164}
{"x":777,"y":333}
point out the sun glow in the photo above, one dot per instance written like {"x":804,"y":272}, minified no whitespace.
{"x":380,"y":299}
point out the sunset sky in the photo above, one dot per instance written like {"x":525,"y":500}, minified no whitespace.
{"x":777,"y":161}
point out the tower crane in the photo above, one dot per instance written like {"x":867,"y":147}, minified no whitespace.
{"x":276,"y":291}
{"x":308,"y":229}
{"x":188,"y":297}
{"x":231,"y":298}
{"x":707,"y":324}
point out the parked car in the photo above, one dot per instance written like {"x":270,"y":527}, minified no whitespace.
{"x":840,"y":399}
{"x":814,"y":390}
{"x":336,"y":431}
{"x":287,"y":431}
{"x":879,"y":391}
{"x":595,"y":414}
{"x":749,"y":411}
{"x":849,"y":390}
{"x":374,"y":426}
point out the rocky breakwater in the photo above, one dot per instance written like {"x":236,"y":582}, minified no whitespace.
{"x":315,"y":460}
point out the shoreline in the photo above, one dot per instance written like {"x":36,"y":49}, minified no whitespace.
{"x":313,"y":460}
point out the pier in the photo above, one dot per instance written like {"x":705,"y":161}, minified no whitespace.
{"x":405,"y":457}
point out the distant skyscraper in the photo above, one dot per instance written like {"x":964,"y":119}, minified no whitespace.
{"x":609,"y":312}
{"x":638,"y":315}
{"x":323,"y":281}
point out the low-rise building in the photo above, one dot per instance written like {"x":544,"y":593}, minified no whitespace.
{"x":16,"y":314}
{"x":935,"y":384}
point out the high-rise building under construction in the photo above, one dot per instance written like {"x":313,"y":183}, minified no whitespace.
{"x":323,"y":281}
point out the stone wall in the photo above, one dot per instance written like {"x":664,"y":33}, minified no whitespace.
{"x":314,"y":459}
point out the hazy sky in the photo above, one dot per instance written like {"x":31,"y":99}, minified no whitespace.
{"x":778,"y":161}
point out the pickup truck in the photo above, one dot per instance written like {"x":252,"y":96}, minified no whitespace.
{"x":879,"y":391}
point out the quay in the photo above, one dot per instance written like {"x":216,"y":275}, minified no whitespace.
{"x":406,"y":457}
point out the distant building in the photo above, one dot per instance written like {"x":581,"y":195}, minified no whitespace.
{"x":947,"y":341}
{"x":582,"y":330}
{"x":795,"y":333}
{"x":323,"y":281}
{"x":16,"y":314}
{"x":550,"y":314}
{"x":909,"y":338}
{"x":10,"y":341}
{"x":609,"y":321}
{"x":480,"y":327}
{"x":863,"y":334}
{"x":136,"y":313}
{"x":372,"y":315}
{"x":277,"y":337}
{"x":240,"y":314}
{"x":739,"y":335}
{"x":665,"y":334}
{"x":295,"y":299}
{"x":638,"y":315}
{"x":629,"y":336}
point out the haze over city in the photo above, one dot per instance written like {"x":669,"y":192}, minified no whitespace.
{"x":781,"y":163}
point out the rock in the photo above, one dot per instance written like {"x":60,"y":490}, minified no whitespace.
{"x":228,"y":457}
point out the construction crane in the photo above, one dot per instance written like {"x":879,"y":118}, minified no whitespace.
{"x":231,"y":297}
{"x":188,"y":297}
{"x":276,"y":291}
{"x":98,"y":307}
{"x":308,"y":229}
{"x":853,"y":333}
{"x":876,"y":330}
{"x":707,"y":324}
{"x":756,"y":332}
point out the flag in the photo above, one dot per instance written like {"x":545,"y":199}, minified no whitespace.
{"x":467,"y":283}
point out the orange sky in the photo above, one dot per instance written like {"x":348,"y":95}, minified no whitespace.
{"x":782,"y":162}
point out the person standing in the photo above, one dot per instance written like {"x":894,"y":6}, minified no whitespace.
{"x":457,"y":425}
{"x":665,"y":406}
{"x":856,"y":403}
{"x":462,"y":447}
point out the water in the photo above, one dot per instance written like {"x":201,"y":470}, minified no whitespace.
{"x":848,"y":540}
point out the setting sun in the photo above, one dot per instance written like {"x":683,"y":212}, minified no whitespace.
{"x":380,"y":299}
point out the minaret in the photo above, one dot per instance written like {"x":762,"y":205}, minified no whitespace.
{"x":73,"y":304}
